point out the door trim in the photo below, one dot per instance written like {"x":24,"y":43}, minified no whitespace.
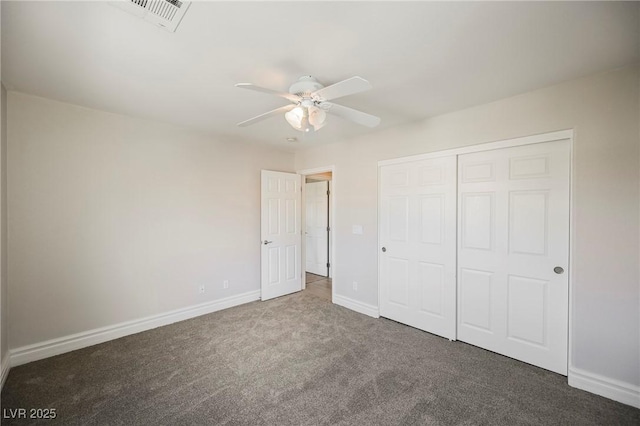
{"x":507,"y":143}
{"x":332,"y":223}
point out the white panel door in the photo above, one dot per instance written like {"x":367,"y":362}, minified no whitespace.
{"x":418,"y":244}
{"x":281,"y":234}
{"x":513,"y":230}
{"x":317,"y":223}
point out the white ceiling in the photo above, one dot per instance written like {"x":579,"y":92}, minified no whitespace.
{"x":422,"y":59}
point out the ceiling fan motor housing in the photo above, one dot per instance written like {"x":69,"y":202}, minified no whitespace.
{"x":305,"y":86}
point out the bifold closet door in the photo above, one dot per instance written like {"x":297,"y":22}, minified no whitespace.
{"x":513,"y":252}
{"x":418,"y":244}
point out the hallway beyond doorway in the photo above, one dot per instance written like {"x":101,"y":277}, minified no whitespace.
{"x":319,"y":286}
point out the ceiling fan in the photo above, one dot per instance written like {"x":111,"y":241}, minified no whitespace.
{"x":310,"y":103}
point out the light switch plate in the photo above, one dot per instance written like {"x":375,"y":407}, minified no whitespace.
{"x":357,"y":229}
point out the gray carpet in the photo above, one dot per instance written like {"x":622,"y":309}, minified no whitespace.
{"x":298,"y":360}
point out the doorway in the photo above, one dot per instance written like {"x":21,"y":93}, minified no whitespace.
{"x":318,"y":208}
{"x":317,"y":224}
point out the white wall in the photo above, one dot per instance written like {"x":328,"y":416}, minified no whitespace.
{"x":603,"y":109}
{"x":113,"y":218}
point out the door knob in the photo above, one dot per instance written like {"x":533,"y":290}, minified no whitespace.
{"x":384,"y":249}
{"x":558,"y":270}
{"x":265,"y":242}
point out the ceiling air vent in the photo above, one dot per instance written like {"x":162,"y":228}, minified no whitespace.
{"x":163,"y":13}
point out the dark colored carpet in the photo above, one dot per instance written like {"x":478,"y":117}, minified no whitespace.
{"x":298,"y":360}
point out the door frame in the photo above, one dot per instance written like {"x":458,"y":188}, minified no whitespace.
{"x":507,"y":143}
{"x":332,"y":224}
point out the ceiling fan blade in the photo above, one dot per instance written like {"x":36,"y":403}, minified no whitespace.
{"x":354,"y":115}
{"x":289,"y":96}
{"x":266,"y":115}
{"x":344,"y":88}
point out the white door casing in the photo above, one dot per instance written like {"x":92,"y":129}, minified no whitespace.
{"x":281,"y":241}
{"x":316,"y":224}
{"x":418,"y":236}
{"x":513,"y":230}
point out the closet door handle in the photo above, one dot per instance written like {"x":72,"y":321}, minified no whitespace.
{"x":558,"y":270}
{"x":384,"y":249}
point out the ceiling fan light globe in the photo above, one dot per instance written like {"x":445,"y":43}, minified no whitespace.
{"x":318,"y":125}
{"x":295,"y":117}
{"x":317,"y":117}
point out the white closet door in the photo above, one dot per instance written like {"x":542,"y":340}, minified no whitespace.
{"x":418,"y":244}
{"x":316,"y":223}
{"x":513,"y":231}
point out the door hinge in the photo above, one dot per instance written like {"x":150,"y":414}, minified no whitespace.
{"x":328,"y":192}
{"x":328,"y":265}
{"x":328,"y":228}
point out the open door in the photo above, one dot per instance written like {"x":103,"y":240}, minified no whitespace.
{"x":281,"y":234}
{"x":317,"y":227}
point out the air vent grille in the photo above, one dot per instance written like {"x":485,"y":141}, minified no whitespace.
{"x":164,"y":13}
{"x":163,"y":8}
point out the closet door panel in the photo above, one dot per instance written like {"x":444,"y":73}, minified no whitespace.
{"x":418,"y":235}
{"x":514,"y":235}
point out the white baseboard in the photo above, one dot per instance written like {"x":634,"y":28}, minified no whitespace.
{"x":354,"y":305}
{"x":70,"y":343}
{"x":609,"y":388}
{"x":4,"y":370}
